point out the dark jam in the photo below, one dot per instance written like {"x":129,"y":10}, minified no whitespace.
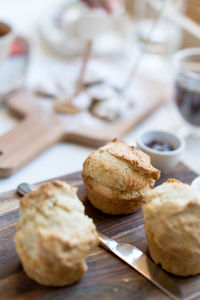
{"x":188,"y":103}
{"x":159,"y":146}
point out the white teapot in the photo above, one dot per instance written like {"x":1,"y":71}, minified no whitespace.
{"x":76,"y":23}
{"x":86,"y":23}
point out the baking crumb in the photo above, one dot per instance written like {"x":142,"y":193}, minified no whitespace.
{"x":115,"y":290}
{"x":126,"y":280}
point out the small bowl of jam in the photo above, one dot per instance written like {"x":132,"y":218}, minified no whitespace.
{"x":164,"y":148}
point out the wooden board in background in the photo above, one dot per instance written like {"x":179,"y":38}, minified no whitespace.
{"x":41,"y":127}
{"x":105,"y":279}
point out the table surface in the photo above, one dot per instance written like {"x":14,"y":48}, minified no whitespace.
{"x":66,"y":158}
{"x":107,"y":277}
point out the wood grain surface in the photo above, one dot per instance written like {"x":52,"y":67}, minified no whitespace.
{"x":107,"y":277}
{"x":41,"y":126}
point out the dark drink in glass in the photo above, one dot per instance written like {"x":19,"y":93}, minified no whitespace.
{"x":187,"y":86}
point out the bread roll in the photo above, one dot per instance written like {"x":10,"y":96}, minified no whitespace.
{"x":54,"y":235}
{"x":115,"y":177}
{"x":172,"y":224}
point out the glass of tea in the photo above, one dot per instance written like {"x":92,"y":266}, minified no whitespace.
{"x":187,"y":86}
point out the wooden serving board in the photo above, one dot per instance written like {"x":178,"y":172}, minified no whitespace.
{"x":41,"y":127}
{"x":107,"y":277}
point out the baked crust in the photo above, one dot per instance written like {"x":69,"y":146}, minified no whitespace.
{"x":54,"y":235}
{"x":137,"y":158}
{"x":172,"y":224}
{"x":111,"y":201}
{"x":115,"y":177}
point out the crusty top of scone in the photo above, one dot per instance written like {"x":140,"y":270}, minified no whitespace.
{"x":172,"y":217}
{"x":53,"y":224}
{"x":120,"y":167}
{"x":65,"y":193}
{"x":137,"y":158}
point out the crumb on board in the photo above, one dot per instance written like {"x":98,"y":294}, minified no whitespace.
{"x":126,"y":280}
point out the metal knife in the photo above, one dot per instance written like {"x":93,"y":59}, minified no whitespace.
{"x":143,"y":264}
{"x":133,"y":257}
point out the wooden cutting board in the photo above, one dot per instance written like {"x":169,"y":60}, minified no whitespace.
{"x":107,"y":276}
{"x":41,"y":127}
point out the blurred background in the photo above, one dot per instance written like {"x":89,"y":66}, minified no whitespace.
{"x":139,"y":39}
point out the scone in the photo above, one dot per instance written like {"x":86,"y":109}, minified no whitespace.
{"x":172,"y":225}
{"x":54,"y":235}
{"x":115,"y":177}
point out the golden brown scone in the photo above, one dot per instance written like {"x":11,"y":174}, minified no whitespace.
{"x":172,"y":224}
{"x":115,"y":177}
{"x":54,"y":235}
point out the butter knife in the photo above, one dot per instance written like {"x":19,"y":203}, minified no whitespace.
{"x":143,"y":264}
{"x":132,"y":256}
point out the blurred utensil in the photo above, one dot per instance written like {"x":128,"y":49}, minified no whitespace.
{"x":137,"y":63}
{"x":85,"y":60}
{"x":66,"y":105}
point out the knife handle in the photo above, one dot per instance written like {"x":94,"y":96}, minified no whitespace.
{"x":24,"y":188}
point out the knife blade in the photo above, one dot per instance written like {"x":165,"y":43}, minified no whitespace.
{"x":143,"y":264}
{"x":132,"y":256}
